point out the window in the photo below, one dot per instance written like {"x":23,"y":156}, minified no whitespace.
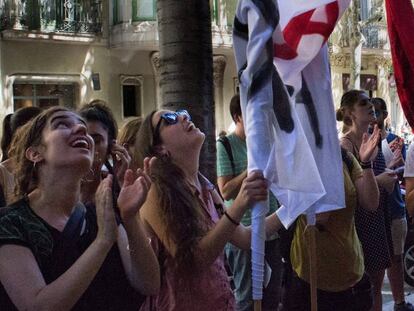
{"x":26,"y":94}
{"x":83,"y":16}
{"x":229,"y":7}
{"x":131,"y":95}
{"x":214,"y":11}
{"x":117,"y":10}
{"x":144,"y":10}
{"x":368,"y":82}
{"x":366,"y":7}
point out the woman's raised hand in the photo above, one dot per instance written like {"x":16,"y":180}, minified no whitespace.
{"x":397,"y":160}
{"x":134,"y":190}
{"x":254,"y":188}
{"x":369,"y":146}
{"x":387,"y":180}
{"x":121,"y":159}
{"x":107,"y":226}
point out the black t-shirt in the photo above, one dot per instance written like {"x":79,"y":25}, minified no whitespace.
{"x":110,"y":289}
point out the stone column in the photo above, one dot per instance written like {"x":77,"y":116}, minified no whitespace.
{"x":338,"y":63}
{"x":383,"y":65}
{"x":155,"y":62}
{"x":219,"y":65}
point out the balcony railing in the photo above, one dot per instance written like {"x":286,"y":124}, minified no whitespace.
{"x":74,"y":16}
{"x":376,"y":36}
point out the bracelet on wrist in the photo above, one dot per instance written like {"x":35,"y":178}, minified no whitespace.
{"x":231,"y":219}
{"x":366,"y":165}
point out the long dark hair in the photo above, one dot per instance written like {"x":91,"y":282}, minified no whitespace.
{"x":6,"y":138}
{"x":181,"y":212}
{"x":16,"y":120}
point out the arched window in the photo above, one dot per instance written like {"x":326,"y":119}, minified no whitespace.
{"x":131,"y":95}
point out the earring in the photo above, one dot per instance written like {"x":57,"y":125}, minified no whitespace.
{"x":34,"y":165}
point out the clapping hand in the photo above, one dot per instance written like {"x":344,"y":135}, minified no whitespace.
{"x":387,"y":180}
{"x":121,"y":160}
{"x":397,"y":160}
{"x":134,"y":190}
{"x":369,"y":146}
{"x":107,"y":226}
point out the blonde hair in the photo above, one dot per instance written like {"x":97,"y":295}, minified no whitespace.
{"x":127,"y":135}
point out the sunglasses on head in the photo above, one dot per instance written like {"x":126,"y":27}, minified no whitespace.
{"x":170,"y":118}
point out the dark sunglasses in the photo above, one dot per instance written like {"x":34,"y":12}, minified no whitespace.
{"x":170,"y":118}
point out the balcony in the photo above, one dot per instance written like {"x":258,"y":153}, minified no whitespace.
{"x":376,"y":36}
{"x":65,"y":16}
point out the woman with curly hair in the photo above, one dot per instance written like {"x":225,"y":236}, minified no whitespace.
{"x":55,"y":254}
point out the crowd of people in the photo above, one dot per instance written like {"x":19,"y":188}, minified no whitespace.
{"x":96,"y":218}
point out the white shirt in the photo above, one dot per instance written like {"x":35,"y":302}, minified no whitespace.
{"x":409,"y":162}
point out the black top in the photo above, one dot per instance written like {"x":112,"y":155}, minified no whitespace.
{"x":54,"y":253}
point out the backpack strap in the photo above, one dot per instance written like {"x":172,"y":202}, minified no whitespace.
{"x":74,"y":225}
{"x":66,"y":250}
{"x":347,"y":160}
{"x":227,"y":146}
{"x":3,"y":202}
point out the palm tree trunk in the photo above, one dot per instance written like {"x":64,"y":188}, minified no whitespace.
{"x":186,"y":67}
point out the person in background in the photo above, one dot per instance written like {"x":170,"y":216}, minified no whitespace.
{"x":55,"y":254}
{"x":373,"y":228}
{"x":103,"y":129}
{"x":127,"y":138}
{"x":394,"y":154}
{"x":341,"y":282}
{"x":231,"y":171}
{"x":6,"y":138}
{"x":8,"y":166}
{"x":109,"y":158}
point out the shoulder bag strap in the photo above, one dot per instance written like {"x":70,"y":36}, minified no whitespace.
{"x":226,"y":143}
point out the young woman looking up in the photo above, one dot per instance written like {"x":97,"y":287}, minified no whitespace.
{"x":54,"y":254}
{"x":374,"y":228}
{"x":188,"y":234}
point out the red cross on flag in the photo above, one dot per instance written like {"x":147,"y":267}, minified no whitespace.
{"x":304,"y":27}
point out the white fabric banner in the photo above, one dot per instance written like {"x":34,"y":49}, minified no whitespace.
{"x":298,"y":155}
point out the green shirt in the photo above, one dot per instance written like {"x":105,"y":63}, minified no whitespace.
{"x":224,"y":168}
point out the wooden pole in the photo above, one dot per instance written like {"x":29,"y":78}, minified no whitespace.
{"x":311,"y":233}
{"x":257,"y":305}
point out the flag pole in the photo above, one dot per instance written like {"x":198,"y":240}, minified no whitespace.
{"x":310,"y":232}
{"x":257,"y":305}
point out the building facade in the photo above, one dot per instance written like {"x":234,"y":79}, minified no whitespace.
{"x":70,"y":52}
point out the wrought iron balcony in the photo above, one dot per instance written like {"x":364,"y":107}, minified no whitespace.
{"x":375,"y":35}
{"x":73,"y":16}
